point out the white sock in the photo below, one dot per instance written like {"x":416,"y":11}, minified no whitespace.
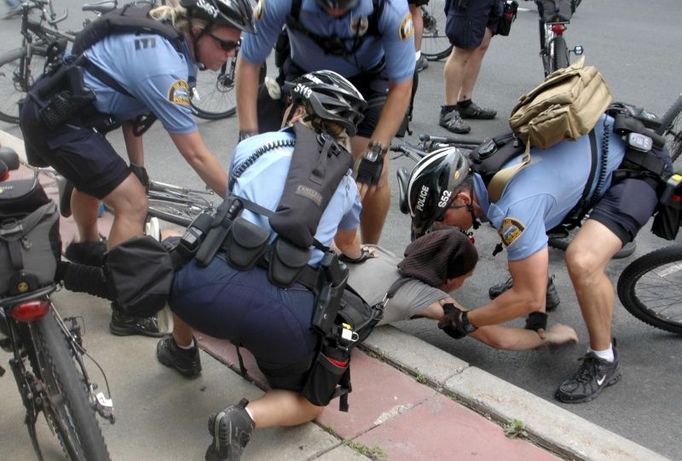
{"x":417,"y":55}
{"x":186,"y":348}
{"x":606,"y":354}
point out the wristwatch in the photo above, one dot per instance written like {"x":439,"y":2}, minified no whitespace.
{"x":375,"y":151}
{"x":467,"y":326}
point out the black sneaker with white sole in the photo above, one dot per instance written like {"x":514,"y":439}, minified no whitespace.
{"x":231,"y":431}
{"x":127,"y":325}
{"x":593,"y":376}
{"x":451,"y":121}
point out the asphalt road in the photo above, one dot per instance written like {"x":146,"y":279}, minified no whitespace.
{"x":636,"y":46}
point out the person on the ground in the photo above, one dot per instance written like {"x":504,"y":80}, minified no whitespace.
{"x":149,"y":73}
{"x":374,"y":49}
{"x":245,"y":306}
{"x":470,"y":26}
{"x":434,"y":265}
{"x":418,"y":22}
{"x":535,"y":200}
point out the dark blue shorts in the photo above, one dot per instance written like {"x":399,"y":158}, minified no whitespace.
{"x":465,"y":27}
{"x":77,"y":152}
{"x":244,"y":307}
{"x":626,"y":207}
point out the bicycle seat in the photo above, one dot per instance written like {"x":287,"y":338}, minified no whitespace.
{"x":101,"y":7}
{"x":9,"y":157}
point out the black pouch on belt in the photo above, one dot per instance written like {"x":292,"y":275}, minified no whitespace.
{"x":287,"y":261}
{"x":245,"y":244}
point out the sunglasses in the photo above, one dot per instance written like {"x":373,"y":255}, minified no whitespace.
{"x":226,"y":45}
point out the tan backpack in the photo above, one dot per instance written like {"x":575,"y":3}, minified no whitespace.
{"x":565,"y":106}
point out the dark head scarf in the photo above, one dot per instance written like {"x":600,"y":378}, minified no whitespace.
{"x":438,"y":256}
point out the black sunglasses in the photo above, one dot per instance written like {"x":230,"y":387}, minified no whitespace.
{"x":226,"y":45}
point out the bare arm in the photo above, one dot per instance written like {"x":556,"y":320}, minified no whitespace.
{"x":347,"y":242}
{"x":246,"y":89}
{"x":134,"y":144}
{"x":527,"y":295}
{"x":207,"y":166}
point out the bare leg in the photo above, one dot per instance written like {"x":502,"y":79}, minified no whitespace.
{"x":587,"y":257}
{"x":454,"y":72}
{"x":130,"y":204}
{"x":182,"y":332}
{"x":376,"y":202}
{"x":473,"y":67}
{"x":282,"y":408}
{"x":84,"y":209}
{"x":418,"y":24}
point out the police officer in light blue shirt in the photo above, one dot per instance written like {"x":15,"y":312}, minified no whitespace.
{"x":244,"y":306}
{"x":622,"y":197}
{"x":369,"y":42}
{"x":130,"y":74}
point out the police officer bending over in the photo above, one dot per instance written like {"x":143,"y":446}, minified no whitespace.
{"x":246,"y":305}
{"x":371,"y":43}
{"x":118,"y":78}
{"x":621,"y":198}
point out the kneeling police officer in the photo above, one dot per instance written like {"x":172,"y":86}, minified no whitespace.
{"x":228,"y":297}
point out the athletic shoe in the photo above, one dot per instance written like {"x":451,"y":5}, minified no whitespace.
{"x":231,"y":430}
{"x":551,"y":297}
{"x":127,"y":325}
{"x":451,"y":121}
{"x":422,"y":63}
{"x":87,"y":253}
{"x":592,"y":377}
{"x":473,"y":111}
{"x":185,"y":361}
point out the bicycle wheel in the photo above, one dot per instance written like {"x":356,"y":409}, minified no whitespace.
{"x":671,"y":128}
{"x":435,"y":44}
{"x":13,"y":83}
{"x":66,"y":402}
{"x":213,"y":96}
{"x":650,"y":288}
{"x":558,"y":53}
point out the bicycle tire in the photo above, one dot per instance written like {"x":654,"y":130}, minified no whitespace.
{"x":213,"y":97}
{"x":13,"y":88}
{"x":671,"y":129}
{"x":652,"y":281}
{"x":558,"y":53}
{"x":67,"y":404}
{"x":435,"y":43}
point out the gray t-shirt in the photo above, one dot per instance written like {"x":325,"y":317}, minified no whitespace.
{"x":374,"y":277}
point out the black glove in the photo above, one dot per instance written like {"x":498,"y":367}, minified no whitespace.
{"x":365,"y":254}
{"x":141,"y":173}
{"x":369,"y":172}
{"x":536,"y":321}
{"x":455,"y":322}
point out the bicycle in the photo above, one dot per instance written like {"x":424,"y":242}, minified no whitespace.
{"x":47,"y":361}
{"x":435,"y":44}
{"x":552,"y":24}
{"x":649,"y":287}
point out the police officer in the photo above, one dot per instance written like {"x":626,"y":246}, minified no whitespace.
{"x":346,"y":36}
{"x":245,"y":306}
{"x":534,"y":201}
{"x":132,"y":74}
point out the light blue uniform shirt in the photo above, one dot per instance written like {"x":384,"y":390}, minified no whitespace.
{"x":539,"y":197}
{"x":395,"y":43}
{"x":263,"y":183}
{"x":152,"y":71}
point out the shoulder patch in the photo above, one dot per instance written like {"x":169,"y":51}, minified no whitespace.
{"x":406,"y":27}
{"x":178,"y":93}
{"x":258,"y":10}
{"x":511,"y":230}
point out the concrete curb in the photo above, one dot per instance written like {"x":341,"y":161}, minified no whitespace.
{"x":547,"y":425}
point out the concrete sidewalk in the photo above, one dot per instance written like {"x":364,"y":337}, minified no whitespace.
{"x":410,"y":400}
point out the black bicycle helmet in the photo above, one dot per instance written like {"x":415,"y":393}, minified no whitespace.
{"x":330,"y":96}
{"x":233,"y":13}
{"x":429,"y":189}
{"x":340,"y":4}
